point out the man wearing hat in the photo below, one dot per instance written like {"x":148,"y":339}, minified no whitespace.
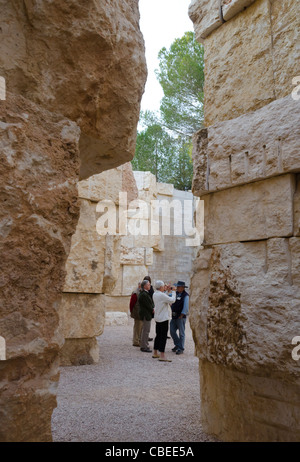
{"x":180,"y":311}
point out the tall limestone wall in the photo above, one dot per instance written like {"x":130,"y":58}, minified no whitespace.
{"x":74,"y":76}
{"x":174,"y":260}
{"x":101,"y":270}
{"x":245,"y":295}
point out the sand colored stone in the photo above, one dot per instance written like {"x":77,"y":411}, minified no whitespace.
{"x":92,"y":70}
{"x":39,"y":172}
{"x":103,"y":270}
{"x":75,"y":75}
{"x":263,"y":408}
{"x":259,"y":44}
{"x":104,"y":186}
{"x":245,"y":289}
{"x":85,"y":264}
{"x":269,"y":146}
{"x":249,"y":295}
{"x":209,"y":15}
{"x":116,"y":303}
{"x":255,"y":211}
{"x":116,"y":318}
{"x":82,"y":315}
{"x":79,"y":352}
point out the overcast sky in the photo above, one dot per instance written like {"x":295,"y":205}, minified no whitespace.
{"x":161,"y":22}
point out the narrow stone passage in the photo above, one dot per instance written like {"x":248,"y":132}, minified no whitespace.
{"x":129,"y":396}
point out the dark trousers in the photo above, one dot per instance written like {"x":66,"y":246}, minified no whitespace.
{"x":160,"y":341}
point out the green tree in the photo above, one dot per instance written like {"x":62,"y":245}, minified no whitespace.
{"x":181,"y":75}
{"x":164,"y":143}
{"x":182,"y":175}
{"x":154,"y":149}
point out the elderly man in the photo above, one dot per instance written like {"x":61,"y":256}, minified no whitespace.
{"x":179,"y":313}
{"x":162,"y":303}
{"x":134,"y":313}
{"x":146,"y":310}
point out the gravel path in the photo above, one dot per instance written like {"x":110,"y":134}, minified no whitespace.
{"x":129,"y":396}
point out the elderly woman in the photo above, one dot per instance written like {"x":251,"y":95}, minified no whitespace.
{"x":162,"y":303}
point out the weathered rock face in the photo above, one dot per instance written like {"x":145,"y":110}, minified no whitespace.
{"x":259,"y":43}
{"x":83,"y":61}
{"x":254,"y":146}
{"x":209,"y":15}
{"x":39,"y":211}
{"x":175,"y":261}
{"x":245,"y":291}
{"x":74,"y":75}
{"x":102,"y":270}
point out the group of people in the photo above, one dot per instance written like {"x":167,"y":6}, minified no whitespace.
{"x":165,"y":303}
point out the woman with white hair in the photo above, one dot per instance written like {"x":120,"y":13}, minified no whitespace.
{"x":162,"y":303}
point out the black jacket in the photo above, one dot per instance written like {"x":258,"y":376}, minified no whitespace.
{"x":146,"y":305}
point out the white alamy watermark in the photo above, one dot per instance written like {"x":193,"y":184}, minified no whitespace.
{"x":2,"y":89}
{"x":2,"y":349}
{"x":296,"y":350}
{"x":157,"y":218}
{"x":296,"y":91}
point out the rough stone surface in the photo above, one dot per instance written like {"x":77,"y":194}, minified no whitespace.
{"x":75,"y":75}
{"x":92,"y":69}
{"x":128,"y":182}
{"x":132,"y":256}
{"x":104,"y":186}
{"x":109,"y":266}
{"x":85,"y":264}
{"x":145,"y":181}
{"x":254,"y":146}
{"x":285,"y":22}
{"x":2,"y":89}
{"x":232,"y":7}
{"x":259,"y":210}
{"x":116,"y":303}
{"x":243,"y":44}
{"x":99,"y":187}
{"x":132,"y":275}
{"x":208,"y":15}
{"x":274,"y":405}
{"x":175,"y":261}
{"x":259,"y":44}
{"x":297,"y":208}
{"x":165,"y":189}
{"x":116,"y":318}
{"x":205,"y":15}
{"x":245,"y":290}
{"x":2,"y":349}
{"x":79,"y":351}
{"x":249,"y":295}
{"x":39,"y":213}
{"x":82,"y":315}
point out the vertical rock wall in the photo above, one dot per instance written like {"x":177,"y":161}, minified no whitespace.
{"x":39,"y":211}
{"x":74,"y":76}
{"x":245,"y":295}
{"x":174,"y":263}
{"x":102,"y":270}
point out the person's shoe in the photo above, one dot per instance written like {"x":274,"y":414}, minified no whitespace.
{"x":150,"y":339}
{"x":155,"y":356}
{"x":146,"y":350}
{"x":179,"y":352}
{"x":175,"y":349}
{"x":136,"y":344}
{"x":165,"y":360}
